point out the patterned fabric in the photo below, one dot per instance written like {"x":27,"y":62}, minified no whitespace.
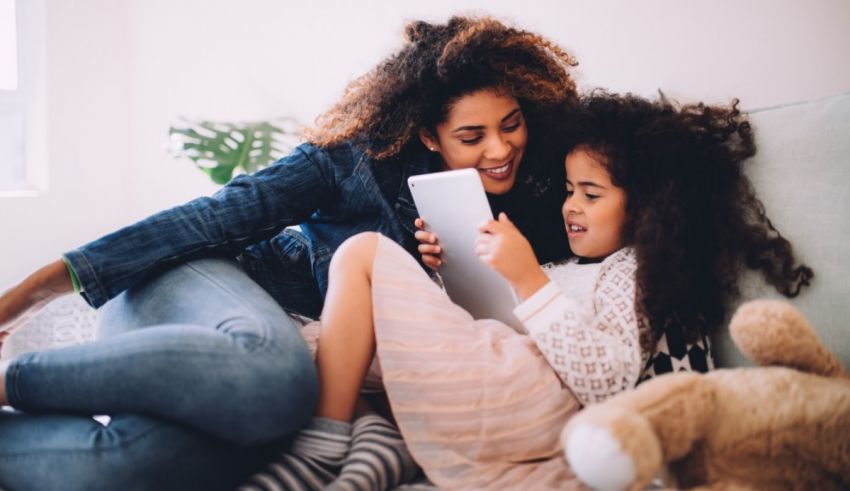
{"x":65,"y":321}
{"x":590,"y":331}
{"x":674,"y":354}
{"x":311,"y":462}
{"x":585,"y":324}
{"x":378,"y":458}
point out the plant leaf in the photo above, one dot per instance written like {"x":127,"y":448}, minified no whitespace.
{"x":220,"y":148}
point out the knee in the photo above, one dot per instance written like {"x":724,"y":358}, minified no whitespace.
{"x":356,"y":252}
{"x":281,"y":402}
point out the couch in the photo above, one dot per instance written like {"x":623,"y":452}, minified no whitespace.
{"x":801,"y":171}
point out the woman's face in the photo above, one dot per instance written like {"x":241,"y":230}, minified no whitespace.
{"x":595,"y":209}
{"x":486,"y":131}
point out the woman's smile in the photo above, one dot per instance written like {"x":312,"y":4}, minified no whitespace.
{"x":500,"y":173}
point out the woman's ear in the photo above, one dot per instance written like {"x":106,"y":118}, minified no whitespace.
{"x":429,"y":141}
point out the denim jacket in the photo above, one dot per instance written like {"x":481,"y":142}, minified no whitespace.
{"x":331,"y":193}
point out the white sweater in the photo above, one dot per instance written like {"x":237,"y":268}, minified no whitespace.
{"x":585,"y":323}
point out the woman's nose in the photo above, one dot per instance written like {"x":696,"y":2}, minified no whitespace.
{"x":498,"y":148}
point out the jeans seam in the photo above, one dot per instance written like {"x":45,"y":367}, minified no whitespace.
{"x":266,"y":330}
{"x":113,"y":446}
{"x":13,"y":394}
{"x":95,"y":291}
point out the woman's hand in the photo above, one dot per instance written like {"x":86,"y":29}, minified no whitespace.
{"x":20,"y":303}
{"x":501,"y":246}
{"x":429,"y":246}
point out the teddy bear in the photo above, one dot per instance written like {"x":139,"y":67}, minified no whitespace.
{"x":784,"y":424}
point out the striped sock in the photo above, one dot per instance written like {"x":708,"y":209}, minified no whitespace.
{"x":313,"y":460}
{"x":378,"y":458}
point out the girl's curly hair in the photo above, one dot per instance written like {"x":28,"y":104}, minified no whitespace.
{"x":692,"y":214}
{"x":439,"y":63}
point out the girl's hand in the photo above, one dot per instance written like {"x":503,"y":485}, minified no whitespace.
{"x":20,"y":303}
{"x":501,"y":246}
{"x":429,"y":246}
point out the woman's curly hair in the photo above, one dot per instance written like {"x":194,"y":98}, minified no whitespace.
{"x":692,"y":214}
{"x":439,"y":63}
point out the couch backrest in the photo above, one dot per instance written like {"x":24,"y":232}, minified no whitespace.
{"x":802,"y":174}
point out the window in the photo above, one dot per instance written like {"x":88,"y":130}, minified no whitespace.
{"x":22,"y":98}
{"x":8,"y":46}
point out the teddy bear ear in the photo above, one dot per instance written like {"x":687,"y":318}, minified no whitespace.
{"x":775,"y":333}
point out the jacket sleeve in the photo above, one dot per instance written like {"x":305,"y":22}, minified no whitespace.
{"x":595,"y":351}
{"x":248,"y":209}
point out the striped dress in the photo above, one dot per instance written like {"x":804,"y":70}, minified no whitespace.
{"x":480,"y":405}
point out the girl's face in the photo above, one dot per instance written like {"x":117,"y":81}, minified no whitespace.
{"x":595,"y":209}
{"x":484,"y":130}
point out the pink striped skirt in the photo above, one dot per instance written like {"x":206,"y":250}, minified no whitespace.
{"x":476,"y":402}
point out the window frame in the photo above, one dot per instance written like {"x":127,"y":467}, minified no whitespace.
{"x":30,"y":97}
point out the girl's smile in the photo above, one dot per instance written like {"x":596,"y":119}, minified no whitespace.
{"x":573,"y":229}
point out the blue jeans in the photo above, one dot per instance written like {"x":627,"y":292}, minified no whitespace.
{"x":201,"y":370}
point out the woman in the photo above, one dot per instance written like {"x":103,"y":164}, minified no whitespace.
{"x":197,"y":360}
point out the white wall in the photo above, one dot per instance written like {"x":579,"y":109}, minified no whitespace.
{"x":121,"y":71}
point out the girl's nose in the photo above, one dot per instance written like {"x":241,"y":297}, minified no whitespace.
{"x":570,"y":206}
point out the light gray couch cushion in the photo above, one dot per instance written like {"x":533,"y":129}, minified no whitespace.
{"x":802,"y":174}
{"x":64,"y":322}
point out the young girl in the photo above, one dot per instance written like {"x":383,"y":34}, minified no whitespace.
{"x":662,"y":220}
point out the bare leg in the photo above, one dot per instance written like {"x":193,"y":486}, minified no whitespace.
{"x":347,"y":341}
{"x":378,"y":457}
{"x":370,"y":453}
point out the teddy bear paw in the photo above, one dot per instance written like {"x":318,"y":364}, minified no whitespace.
{"x":597,"y":459}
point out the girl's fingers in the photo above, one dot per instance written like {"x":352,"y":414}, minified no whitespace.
{"x":505,"y":221}
{"x":500,"y":226}
{"x":490,"y":226}
{"x":503,"y":218}
{"x":482,"y":249}
{"x":483,"y":244}
{"x":482,"y":238}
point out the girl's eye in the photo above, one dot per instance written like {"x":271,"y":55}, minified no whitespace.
{"x":591,"y":197}
{"x":570,"y":193}
{"x":471,"y":141}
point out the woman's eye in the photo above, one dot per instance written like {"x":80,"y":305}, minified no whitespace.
{"x":471,"y":141}
{"x":511,"y":128}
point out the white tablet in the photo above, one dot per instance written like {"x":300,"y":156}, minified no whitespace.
{"x":453,"y":205}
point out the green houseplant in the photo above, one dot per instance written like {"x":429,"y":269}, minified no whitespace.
{"x":223,"y":148}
